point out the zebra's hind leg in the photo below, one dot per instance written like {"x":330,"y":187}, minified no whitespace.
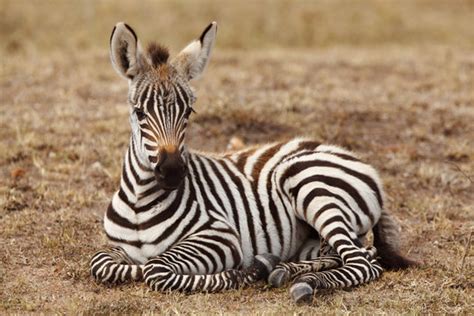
{"x":113,"y":266}
{"x":304,"y":286}
{"x":329,"y":219}
{"x":284,"y":272}
{"x":326,"y":258}
{"x":359,"y":265}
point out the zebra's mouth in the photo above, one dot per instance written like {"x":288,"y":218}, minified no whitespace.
{"x":169,"y":188}
{"x":170,"y":183}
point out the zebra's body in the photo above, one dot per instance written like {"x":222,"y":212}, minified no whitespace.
{"x":243,"y":191}
{"x":192,"y":221}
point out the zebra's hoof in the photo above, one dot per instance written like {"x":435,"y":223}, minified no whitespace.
{"x":279,"y":277}
{"x":371,"y":252}
{"x":301,"y":293}
{"x":267,"y":262}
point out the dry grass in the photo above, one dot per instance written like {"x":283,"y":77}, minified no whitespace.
{"x":391,"y":80}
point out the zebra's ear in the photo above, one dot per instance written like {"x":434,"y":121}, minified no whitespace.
{"x":125,"y":51}
{"x":193,"y":59}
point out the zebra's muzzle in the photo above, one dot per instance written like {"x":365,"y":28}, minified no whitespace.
{"x":171,"y":171}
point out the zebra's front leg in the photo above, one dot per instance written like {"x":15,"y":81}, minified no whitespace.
{"x":113,"y":266}
{"x":205,"y":264}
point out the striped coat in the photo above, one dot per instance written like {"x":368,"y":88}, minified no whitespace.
{"x":183,"y":220}
{"x":254,"y":192}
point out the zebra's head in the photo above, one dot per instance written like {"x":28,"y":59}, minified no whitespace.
{"x":160,"y":97}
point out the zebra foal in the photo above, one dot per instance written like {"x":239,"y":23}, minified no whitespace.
{"x":191,"y":221}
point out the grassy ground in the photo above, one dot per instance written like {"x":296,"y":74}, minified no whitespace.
{"x":391,"y":80}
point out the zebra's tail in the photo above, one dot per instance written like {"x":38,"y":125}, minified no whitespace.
{"x":387,"y":242}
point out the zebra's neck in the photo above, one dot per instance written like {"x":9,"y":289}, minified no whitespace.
{"x":138,"y":179}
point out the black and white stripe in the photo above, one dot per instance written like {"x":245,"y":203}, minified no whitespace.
{"x":220,"y":218}
{"x":191,"y":221}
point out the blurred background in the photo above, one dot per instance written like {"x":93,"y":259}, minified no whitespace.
{"x":391,"y":80}
{"x":40,"y":26}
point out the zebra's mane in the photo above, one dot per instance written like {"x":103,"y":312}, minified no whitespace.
{"x":158,"y":54}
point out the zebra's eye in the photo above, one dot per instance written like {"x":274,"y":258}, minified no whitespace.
{"x":140,"y":114}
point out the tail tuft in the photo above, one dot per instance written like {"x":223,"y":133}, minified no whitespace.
{"x":386,"y":240}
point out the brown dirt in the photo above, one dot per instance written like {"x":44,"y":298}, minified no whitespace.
{"x":407,"y":106}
